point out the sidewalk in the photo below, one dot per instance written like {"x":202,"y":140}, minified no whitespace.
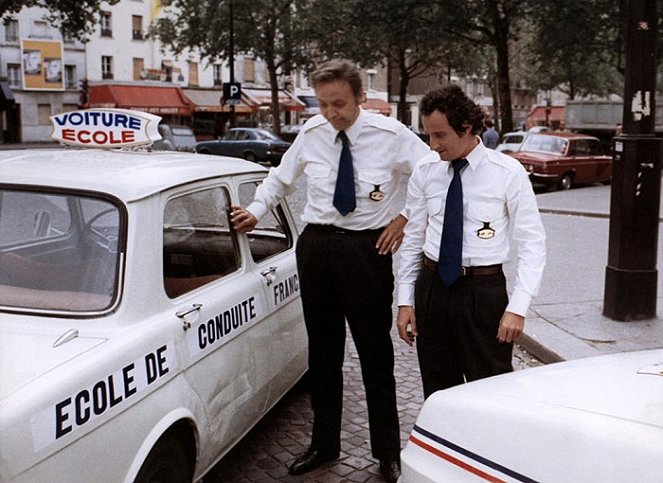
{"x":565,"y":320}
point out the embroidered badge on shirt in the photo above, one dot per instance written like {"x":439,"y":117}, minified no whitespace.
{"x":486,"y":232}
{"x":376,"y":194}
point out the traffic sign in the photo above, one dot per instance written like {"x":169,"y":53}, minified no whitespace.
{"x":232,"y":91}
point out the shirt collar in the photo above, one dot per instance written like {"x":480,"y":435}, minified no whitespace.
{"x":476,"y":156}
{"x":353,"y":131}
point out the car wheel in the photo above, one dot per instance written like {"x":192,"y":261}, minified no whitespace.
{"x":250,"y":157}
{"x":566,"y":182}
{"x":204,"y":151}
{"x":167,"y":462}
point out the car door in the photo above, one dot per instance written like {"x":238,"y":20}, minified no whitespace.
{"x":272,"y":249}
{"x":580,"y":160}
{"x":602,"y":164}
{"x":223,"y":309}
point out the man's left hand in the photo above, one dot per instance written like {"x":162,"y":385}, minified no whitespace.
{"x":392,"y":236}
{"x":511,"y":326}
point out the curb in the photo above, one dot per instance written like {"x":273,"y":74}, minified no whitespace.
{"x":538,"y":350}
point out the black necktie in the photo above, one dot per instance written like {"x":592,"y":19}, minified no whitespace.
{"x":451,"y":246}
{"x":344,"y":194}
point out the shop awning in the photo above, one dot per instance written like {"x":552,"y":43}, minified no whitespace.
{"x":210,"y":100}
{"x":153,"y":99}
{"x":378,"y":106}
{"x":263,"y":98}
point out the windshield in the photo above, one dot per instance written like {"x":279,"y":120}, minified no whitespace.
{"x":58,"y":252}
{"x":546,"y":144}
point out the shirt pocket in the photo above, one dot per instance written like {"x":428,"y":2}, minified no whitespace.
{"x":486,"y":222}
{"x":374,"y":186}
{"x":318,"y":177}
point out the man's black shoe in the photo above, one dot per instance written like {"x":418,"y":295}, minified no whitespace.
{"x":311,"y":460}
{"x":390,"y":470}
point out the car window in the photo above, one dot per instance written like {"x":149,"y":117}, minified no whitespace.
{"x":198,"y":245}
{"x":58,"y":252}
{"x":579,"y":148}
{"x":594,"y":147}
{"x":266,"y":135}
{"x":546,"y":144}
{"x":230,"y":135}
{"x":242,"y":135}
{"x":271,"y":235}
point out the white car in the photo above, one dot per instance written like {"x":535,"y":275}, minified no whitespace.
{"x":512,"y":141}
{"x":590,"y":420}
{"x":140,"y":336}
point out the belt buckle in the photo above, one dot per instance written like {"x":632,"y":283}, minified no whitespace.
{"x":463,"y":271}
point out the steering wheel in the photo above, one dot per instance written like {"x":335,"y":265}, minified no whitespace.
{"x":106,"y":241}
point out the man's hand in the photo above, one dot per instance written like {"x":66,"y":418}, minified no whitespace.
{"x":511,"y":326}
{"x":406,"y":323}
{"x":242,"y":220}
{"x":392,"y":236}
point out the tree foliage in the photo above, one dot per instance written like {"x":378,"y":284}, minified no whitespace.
{"x":75,"y":18}
{"x":266,"y":29}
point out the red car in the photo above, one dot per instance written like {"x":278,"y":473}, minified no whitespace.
{"x":561,"y":159}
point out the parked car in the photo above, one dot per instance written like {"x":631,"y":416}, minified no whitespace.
{"x":562,"y":159}
{"x":290,"y":131}
{"x":592,"y":420}
{"x":250,"y":143}
{"x":140,"y":335}
{"x":175,"y":136}
{"x":511,"y":141}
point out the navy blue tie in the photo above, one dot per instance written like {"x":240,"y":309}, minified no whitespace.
{"x":344,"y":194}
{"x":451,"y":245}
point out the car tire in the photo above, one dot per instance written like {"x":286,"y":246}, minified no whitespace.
{"x":250,"y":157}
{"x":167,"y":462}
{"x":566,"y":182}
{"x":204,"y":151}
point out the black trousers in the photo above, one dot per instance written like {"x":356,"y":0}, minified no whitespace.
{"x":457,"y":329}
{"x":343,"y":277}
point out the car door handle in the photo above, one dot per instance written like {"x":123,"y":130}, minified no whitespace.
{"x":268,"y":273}
{"x":187,"y":317}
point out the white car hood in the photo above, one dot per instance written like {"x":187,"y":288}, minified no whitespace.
{"x":27,"y":354}
{"x":624,"y":386}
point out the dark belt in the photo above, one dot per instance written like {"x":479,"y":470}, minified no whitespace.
{"x":337,"y":229}
{"x":467,"y":271}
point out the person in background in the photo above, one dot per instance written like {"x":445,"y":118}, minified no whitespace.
{"x":490,"y":137}
{"x":353,"y":162}
{"x":463,"y":202}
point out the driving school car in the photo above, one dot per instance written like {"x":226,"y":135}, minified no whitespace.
{"x":140,"y":335}
{"x":598,"y":419}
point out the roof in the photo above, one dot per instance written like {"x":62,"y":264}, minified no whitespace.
{"x":539,"y":113}
{"x":152,"y":99}
{"x":127,"y":175}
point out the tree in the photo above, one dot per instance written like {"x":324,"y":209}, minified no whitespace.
{"x":77,"y":18}
{"x":396,"y":32}
{"x":265,"y":28}
{"x":492,"y":23}
{"x":586,"y":58}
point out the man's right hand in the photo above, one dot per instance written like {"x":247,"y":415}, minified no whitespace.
{"x":406,"y":323}
{"x":242,"y":220}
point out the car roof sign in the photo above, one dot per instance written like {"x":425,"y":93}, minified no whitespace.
{"x":105,"y":128}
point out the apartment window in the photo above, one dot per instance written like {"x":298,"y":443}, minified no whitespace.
{"x":193,"y":73}
{"x":249,"y":70}
{"x":137,"y":27}
{"x":11,"y":30}
{"x":40,"y":29}
{"x":70,"y":77}
{"x":44,"y":114}
{"x":106,"y":24}
{"x":106,"y":67}
{"x":139,"y":68}
{"x":14,"y":75}
{"x":218,"y":74}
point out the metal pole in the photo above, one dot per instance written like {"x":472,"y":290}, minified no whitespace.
{"x":232,"y":59}
{"x":631,"y":275}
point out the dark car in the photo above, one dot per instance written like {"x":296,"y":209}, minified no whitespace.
{"x":252,"y":144}
{"x":560,"y":159}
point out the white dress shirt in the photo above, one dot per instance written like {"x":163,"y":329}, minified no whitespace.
{"x":497,"y":200}
{"x":382,"y":150}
